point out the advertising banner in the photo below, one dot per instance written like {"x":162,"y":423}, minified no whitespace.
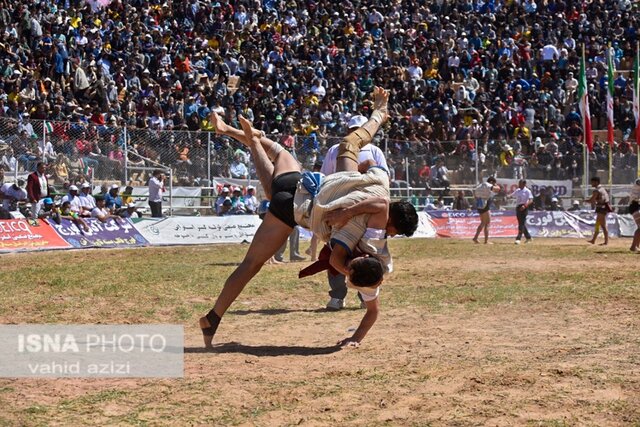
{"x":558,"y":188}
{"x":23,"y":234}
{"x":184,"y":197}
{"x":111,"y":234}
{"x":200,"y":230}
{"x":463,"y":224}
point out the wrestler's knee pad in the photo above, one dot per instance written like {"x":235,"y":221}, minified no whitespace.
{"x":274,"y":151}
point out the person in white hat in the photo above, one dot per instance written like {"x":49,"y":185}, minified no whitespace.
{"x":129,"y":211}
{"x":222,"y":195}
{"x":73,"y":198}
{"x":87,"y":201}
{"x":112,"y":199}
{"x":250,"y":200}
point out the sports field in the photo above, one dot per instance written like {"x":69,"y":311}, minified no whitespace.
{"x":543,"y":334}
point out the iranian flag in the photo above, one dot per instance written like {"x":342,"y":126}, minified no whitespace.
{"x":610,"y":72}
{"x":583,"y":103}
{"x":636,"y":95}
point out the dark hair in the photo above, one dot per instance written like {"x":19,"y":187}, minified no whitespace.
{"x":403,"y":217}
{"x":367,"y":272}
{"x":596,"y":179}
{"x":491,"y":180}
{"x":522,"y":181}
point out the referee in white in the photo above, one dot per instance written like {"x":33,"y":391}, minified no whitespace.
{"x":524,"y":199}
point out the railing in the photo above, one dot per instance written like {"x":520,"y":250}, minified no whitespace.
{"x":84,"y":151}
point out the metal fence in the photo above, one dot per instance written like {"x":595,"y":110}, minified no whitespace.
{"x":85,"y":151}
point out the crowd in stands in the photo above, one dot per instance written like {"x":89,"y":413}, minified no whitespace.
{"x":486,"y":83}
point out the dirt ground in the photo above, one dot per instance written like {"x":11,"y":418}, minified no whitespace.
{"x":449,"y":349}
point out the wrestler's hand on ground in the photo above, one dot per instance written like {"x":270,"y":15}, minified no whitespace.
{"x":337,"y":217}
{"x":219,"y":126}
{"x":349,"y":342}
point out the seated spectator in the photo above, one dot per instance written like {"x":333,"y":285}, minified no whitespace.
{"x":112,"y":199}
{"x":238,"y":169}
{"x":67,"y":213}
{"x":224,"y":194}
{"x":555,"y":205}
{"x":226,"y":208}
{"x":250,"y":200}
{"x":75,"y":204}
{"x":542,"y":201}
{"x":10,"y":194}
{"x":130,"y":211}
{"x":60,"y":169}
{"x":50,"y":210}
{"x":101,"y":212}
{"x":87,"y":201}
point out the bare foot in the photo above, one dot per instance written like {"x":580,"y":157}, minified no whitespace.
{"x":475,"y":241}
{"x":250,"y":136}
{"x":208,"y":339}
{"x":604,"y":244}
{"x":593,"y":242}
{"x":273,"y":261}
{"x":218,"y":124}
{"x":633,"y":249}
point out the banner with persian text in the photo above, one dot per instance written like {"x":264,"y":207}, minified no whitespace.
{"x":113,"y":233}
{"x":23,"y":234}
{"x":463,"y":224}
{"x":199,"y":230}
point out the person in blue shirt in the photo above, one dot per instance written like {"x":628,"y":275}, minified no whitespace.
{"x":112,"y":199}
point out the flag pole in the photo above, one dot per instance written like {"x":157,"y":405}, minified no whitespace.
{"x":636,"y":89}
{"x":584,"y":132}
{"x":610,"y":93}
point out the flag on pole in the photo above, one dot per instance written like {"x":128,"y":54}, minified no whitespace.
{"x":583,"y":99}
{"x":636,"y":95}
{"x":610,"y":72}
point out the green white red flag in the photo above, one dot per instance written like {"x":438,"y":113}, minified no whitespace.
{"x":610,"y":92}
{"x":636,"y":94}
{"x":583,"y":104}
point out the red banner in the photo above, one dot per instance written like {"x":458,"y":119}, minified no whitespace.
{"x":463,"y":224}
{"x":22,"y":234}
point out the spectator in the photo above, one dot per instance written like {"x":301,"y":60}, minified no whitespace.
{"x":112,"y":199}
{"x":238,"y":169}
{"x":72,"y":197}
{"x":10,"y":194}
{"x":129,"y":211}
{"x":38,"y":184}
{"x":250,"y":200}
{"x":156,"y":188}
{"x":222,"y":196}
{"x":87,"y":201}
{"x":101,"y":212}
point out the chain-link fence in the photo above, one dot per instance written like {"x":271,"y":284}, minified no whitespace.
{"x":102,"y":154}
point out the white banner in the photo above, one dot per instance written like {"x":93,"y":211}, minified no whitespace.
{"x":199,"y":230}
{"x":559,"y":188}
{"x":183,"y":197}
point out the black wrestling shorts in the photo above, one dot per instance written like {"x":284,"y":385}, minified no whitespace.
{"x":283,"y":188}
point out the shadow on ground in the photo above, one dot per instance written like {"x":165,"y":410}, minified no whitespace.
{"x":266,"y":350}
